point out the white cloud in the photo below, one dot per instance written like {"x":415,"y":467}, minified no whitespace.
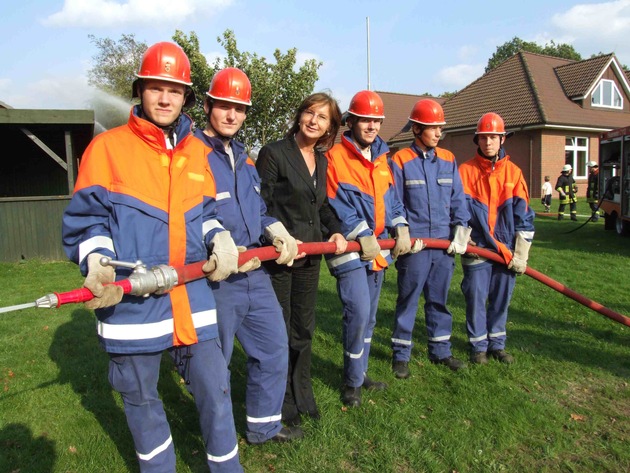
{"x":596,"y":19}
{"x":467,"y":52}
{"x":302,"y":57}
{"x":212,"y":56}
{"x":596,"y":27}
{"x":110,"y":13}
{"x":49,"y":93}
{"x":457,"y":77}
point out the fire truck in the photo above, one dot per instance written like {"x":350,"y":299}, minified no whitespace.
{"x":614,"y":179}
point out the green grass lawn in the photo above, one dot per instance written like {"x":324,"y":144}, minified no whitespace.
{"x":562,"y":406}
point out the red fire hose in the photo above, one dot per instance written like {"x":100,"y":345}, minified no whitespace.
{"x":191,"y":272}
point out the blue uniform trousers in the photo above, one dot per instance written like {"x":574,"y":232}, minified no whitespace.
{"x":428,"y":272}
{"x":359,"y":291}
{"x":487,"y":288}
{"x":247,"y":308}
{"x":135,"y":377}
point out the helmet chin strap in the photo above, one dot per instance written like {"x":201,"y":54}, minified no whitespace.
{"x":418,"y":136}
{"x":224,"y":138}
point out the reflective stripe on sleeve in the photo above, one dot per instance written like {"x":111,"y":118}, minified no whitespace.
{"x":88,"y":246}
{"x":151,"y":330}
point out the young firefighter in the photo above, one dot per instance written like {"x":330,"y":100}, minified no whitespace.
{"x":246,"y":303}
{"x":501,"y":220}
{"x":361,"y":191}
{"x":430,"y":189}
{"x":145,"y":192}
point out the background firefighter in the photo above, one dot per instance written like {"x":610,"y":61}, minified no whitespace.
{"x":565,"y":185}
{"x":592,"y":189}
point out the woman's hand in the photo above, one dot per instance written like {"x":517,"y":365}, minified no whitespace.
{"x":340,"y":242}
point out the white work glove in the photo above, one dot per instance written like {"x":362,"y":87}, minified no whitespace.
{"x":98,"y":277}
{"x":518,"y":264}
{"x":418,"y":246}
{"x":460,"y":240}
{"x":284,"y":243}
{"x":369,"y":247}
{"x":249,"y":265}
{"x":224,"y":258}
{"x":403,"y":242}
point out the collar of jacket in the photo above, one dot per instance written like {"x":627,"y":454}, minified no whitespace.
{"x":216,"y":144}
{"x":488,"y":165}
{"x":154,"y":135}
{"x":378,"y":147}
{"x":430,"y":153}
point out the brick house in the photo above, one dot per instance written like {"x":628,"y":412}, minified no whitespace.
{"x":556,"y":107}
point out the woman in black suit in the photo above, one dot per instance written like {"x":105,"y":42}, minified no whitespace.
{"x":293,"y":175}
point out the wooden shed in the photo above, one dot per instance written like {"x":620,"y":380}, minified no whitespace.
{"x":37,"y":177}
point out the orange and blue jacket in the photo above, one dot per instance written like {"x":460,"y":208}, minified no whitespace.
{"x":498,"y":202}
{"x":135,"y":199}
{"x":239,"y":204}
{"x":362,"y":195}
{"x":431,"y":191}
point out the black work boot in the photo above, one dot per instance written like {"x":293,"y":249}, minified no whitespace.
{"x":400,"y":369}
{"x":351,"y":397}
{"x":450,"y":361}
{"x":287,"y":434}
{"x":479,"y":358}
{"x":502,"y":356}
{"x":373,"y":385}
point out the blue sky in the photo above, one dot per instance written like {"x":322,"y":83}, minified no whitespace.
{"x":415,"y":46}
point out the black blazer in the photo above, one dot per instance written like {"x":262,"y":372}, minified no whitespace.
{"x":291,"y":196}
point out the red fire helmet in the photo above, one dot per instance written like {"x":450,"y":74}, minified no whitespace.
{"x":427,"y":112}
{"x":165,"y":61}
{"x":367,"y":104}
{"x":232,"y":85}
{"x":490,"y":124}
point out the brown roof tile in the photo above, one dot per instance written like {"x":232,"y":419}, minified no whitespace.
{"x":576,"y":78}
{"x":526,"y":90}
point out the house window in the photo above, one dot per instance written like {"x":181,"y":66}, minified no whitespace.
{"x":606,"y":94}
{"x":576,"y":154}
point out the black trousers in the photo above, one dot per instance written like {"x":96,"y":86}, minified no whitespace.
{"x":296,"y":290}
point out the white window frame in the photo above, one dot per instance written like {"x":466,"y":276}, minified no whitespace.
{"x":613,"y":89}
{"x":574,"y":149}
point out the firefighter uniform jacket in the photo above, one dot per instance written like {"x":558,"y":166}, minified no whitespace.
{"x":362,"y":194}
{"x":498,"y":202}
{"x":135,"y":199}
{"x":432,"y":193}
{"x":592,"y":190}
{"x":239,"y":204}
{"x":566,"y":183}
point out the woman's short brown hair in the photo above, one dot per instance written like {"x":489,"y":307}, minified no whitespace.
{"x":319,"y":98}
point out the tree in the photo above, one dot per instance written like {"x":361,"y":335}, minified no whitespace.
{"x":277,"y":87}
{"x":116,"y":64}
{"x":510,"y":48}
